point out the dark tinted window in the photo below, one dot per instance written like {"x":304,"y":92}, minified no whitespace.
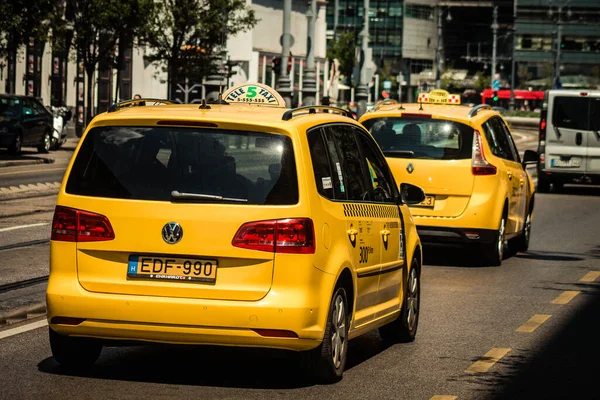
{"x":326,"y":178}
{"x":510,"y":142}
{"x":149,"y":163}
{"x":10,"y":107}
{"x":422,"y":138}
{"x":354,"y":176}
{"x":381,"y":184}
{"x":496,"y":138}
{"x":571,"y":112}
{"x":595,"y":114}
{"x":27,"y":107}
{"x":38,"y":108}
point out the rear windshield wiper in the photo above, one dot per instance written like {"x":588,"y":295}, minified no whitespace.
{"x":558,"y":134}
{"x":399,"y":153}
{"x":178,"y":196}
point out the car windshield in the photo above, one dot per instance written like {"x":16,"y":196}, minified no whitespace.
{"x":9,"y":107}
{"x":185,"y":164}
{"x":422,"y":138}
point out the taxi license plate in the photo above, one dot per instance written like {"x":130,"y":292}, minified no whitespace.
{"x":572,"y":163}
{"x":172,"y":268}
{"x":429,"y":201}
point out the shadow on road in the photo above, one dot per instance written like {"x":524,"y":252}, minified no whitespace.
{"x":565,"y":366}
{"x":550,"y":256}
{"x":26,"y":154}
{"x":578,"y":190}
{"x":211,"y":365}
{"x":447,"y":255}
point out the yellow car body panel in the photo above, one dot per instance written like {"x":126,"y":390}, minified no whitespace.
{"x":462,"y":201}
{"x":254,"y":289}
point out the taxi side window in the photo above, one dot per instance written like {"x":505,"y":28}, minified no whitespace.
{"x":382,"y":186}
{"x":349,"y":166}
{"x":496,"y":137}
{"x":329,"y":184}
{"x":511,"y":142}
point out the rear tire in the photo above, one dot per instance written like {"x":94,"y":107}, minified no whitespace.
{"x":521,"y":243}
{"x":17,"y":144}
{"x":404,"y":328}
{"x":543,"y":185}
{"x":74,"y":352}
{"x":492,"y":254}
{"x":326,"y":363}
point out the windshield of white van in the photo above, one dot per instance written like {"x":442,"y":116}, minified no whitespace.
{"x":185,"y":165}
{"x":422,"y":138}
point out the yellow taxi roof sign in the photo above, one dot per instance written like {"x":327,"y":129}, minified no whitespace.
{"x":439,"y":96}
{"x":254,"y":94}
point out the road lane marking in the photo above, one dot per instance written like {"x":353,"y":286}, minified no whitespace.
{"x":23,"y":328}
{"x":32,"y":171}
{"x":443,"y":397}
{"x":590,"y":276}
{"x":12,"y":228}
{"x":487,"y":361}
{"x":533,"y":323}
{"x":566,"y":297}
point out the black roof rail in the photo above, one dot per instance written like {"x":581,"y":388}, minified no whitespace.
{"x":478,"y":108}
{"x":137,"y":102}
{"x":289,"y":114}
{"x":386,"y":102}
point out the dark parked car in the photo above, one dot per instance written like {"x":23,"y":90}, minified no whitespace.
{"x":24,"y":121}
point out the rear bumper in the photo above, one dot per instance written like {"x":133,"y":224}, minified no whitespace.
{"x":433,"y":234}
{"x":192,"y":321}
{"x":578,"y":177}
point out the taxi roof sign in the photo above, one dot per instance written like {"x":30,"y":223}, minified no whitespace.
{"x":439,"y":96}
{"x":254,"y":94}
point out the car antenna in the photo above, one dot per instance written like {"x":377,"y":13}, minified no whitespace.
{"x":420,"y":105}
{"x":401,"y":106}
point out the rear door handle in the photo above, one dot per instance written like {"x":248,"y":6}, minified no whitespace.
{"x":385,"y":233}
{"x":352,"y":232}
{"x":522,"y":182}
{"x":509,"y":176}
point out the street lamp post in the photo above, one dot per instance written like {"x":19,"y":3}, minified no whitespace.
{"x":284,"y":83}
{"x":438,"y":51}
{"x":511,"y":104}
{"x":362,"y":89}
{"x":309,"y":88}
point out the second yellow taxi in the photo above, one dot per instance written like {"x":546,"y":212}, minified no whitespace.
{"x":478,"y":191}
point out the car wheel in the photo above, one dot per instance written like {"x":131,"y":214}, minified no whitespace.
{"x":543,"y":184}
{"x":17,"y":144}
{"x":493,"y":253}
{"x":522,"y":242}
{"x":74,"y":352}
{"x":404,"y":328}
{"x":326,"y":363}
{"x":45,"y":146}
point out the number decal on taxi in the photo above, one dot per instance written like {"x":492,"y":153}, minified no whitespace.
{"x":364,"y":254}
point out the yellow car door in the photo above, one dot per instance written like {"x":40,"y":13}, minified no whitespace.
{"x":362,"y":227}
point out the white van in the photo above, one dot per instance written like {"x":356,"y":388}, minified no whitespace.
{"x":569,"y":139}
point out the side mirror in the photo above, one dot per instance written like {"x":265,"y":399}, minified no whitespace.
{"x":411,"y":194}
{"x":530,"y":157}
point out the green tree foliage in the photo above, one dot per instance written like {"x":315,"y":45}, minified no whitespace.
{"x":93,"y":23}
{"x":344,"y":49}
{"x":187,"y":37}
{"x":22,"y":21}
{"x":482,"y":81}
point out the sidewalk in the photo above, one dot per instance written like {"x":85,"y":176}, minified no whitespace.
{"x":30,"y":156}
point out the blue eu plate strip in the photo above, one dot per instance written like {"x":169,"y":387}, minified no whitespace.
{"x":133,"y":263}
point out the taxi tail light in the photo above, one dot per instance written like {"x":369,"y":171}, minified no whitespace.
{"x":479,"y":165}
{"x":292,"y":235}
{"x":72,"y":225}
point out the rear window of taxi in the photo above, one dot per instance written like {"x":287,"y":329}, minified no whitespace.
{"x":422,"y":138}
{"x":209,"y":165}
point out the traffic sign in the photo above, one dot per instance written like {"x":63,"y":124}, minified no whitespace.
{"x":496,"y":84}
{"x":387,"y":85}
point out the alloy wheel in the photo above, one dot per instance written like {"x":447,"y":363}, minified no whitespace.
{"x":338,"y":339}
{"x":412,"y":299}
{"x":500,"y":242}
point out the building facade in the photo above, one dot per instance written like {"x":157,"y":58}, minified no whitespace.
{"x":558,"y":38}
{"x":402,"y":35}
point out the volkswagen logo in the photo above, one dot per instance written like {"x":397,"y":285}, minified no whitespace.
{"x":172,"y":232}
{"x":410,"y":168}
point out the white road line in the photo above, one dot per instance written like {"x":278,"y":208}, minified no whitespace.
{"x":12,"y":228}
{"x":23,"y":328}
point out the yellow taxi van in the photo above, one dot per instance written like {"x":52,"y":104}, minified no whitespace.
{"x":241,"y":223}
{"x":478,"y":191}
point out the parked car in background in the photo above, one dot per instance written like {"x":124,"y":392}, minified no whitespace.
{"x":24,"y":121}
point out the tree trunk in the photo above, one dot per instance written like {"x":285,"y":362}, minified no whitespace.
{"x":90,"y":98}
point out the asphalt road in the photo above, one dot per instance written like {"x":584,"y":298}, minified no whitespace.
{"x":466,"y":313}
